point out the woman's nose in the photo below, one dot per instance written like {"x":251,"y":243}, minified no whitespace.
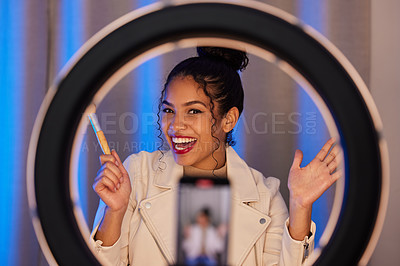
{"x":178,"y":123}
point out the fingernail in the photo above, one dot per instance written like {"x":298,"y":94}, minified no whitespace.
{"x":116,"y":163}
{"x":118,"y":185}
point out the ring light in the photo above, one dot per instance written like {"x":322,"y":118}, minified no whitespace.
{"x":262,"y":26}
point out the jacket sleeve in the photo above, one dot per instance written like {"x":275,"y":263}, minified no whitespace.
{"x":279,"y":247}
{"x":116,"y":254}
{"x":296,"y":252}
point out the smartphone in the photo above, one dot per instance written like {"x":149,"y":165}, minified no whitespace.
{"x":204,"y":206}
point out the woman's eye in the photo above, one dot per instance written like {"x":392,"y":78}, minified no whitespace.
{"x":167,"y":110}
{"x":195,"y":111}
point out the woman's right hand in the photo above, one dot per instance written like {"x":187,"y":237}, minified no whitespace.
{"x":112,"y":183}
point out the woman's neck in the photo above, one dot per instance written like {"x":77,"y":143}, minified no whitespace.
{"x":214,"y":162}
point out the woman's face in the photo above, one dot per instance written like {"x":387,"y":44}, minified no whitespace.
{"x":187,"y":122}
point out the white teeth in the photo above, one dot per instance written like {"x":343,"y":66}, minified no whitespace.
{"x":183,"y":140}
{"x":179,"y":149}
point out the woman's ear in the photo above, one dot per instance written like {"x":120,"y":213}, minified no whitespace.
{"x":230,"y":119}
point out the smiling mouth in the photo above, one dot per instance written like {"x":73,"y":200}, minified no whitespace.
{"x":184,"y":144}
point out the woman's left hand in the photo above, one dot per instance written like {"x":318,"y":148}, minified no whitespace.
{"x":307,"y":184}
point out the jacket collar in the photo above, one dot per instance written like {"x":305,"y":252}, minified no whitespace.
{"x":239,"y":174}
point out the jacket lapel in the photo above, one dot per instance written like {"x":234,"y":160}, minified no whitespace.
{"x":159,"y":211}
{"x":161,"y":222}
{"x":247,"y":223}
{"x":247,"y":226}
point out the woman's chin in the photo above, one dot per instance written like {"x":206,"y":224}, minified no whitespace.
{"x":183,"y":161}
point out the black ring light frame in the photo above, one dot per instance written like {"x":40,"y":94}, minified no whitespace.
{"x":365,"y":152}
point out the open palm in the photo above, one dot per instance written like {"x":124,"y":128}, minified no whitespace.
{"x":307,"y":184}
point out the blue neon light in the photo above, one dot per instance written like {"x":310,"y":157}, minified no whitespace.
{"x":314,"y":133}
{"x":72,"y":28}
{"x":239,"y":133}
{"x":12,"y":78}
{"x":147,"y":92}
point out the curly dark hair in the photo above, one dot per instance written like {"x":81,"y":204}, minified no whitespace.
{"x":216,"y":70}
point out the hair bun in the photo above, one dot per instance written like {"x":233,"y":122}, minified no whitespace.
{"x":238,"y":60}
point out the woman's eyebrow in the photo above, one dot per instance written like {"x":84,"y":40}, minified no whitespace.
{"x":167,"y":103}
{"x":194,"y":102}
{"x":185,"y":104}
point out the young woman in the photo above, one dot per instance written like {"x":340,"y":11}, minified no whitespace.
{"x":200,"y":105}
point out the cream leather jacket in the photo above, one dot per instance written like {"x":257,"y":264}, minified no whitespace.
{"x":258,"y":225}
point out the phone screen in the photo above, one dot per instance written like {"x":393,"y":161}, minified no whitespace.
{"x":204,"y":212}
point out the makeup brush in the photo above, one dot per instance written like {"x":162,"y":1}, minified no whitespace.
{"x":97,"y":129}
